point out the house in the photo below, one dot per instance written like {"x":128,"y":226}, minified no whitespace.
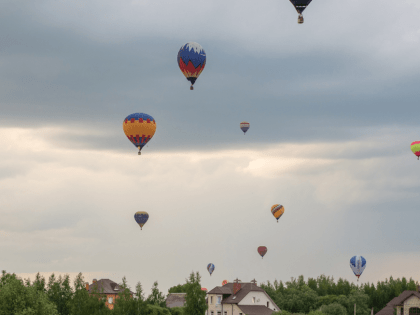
{"x":240,"y":298}
{"x":175,"y":300}
{"x":107,"y":287}
{"x":407,"y":303}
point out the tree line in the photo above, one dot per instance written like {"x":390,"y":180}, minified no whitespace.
{"x":57,"y":297}
{"x":323,"y":295}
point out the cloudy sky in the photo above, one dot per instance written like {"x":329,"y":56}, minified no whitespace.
{"x":333,"y":108}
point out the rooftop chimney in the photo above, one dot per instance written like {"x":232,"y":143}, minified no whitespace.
{"x":87,"y":286}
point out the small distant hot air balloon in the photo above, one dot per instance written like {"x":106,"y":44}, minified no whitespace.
{"x":224,"y":282}
{"x":191,"y":60}
{"x":277,"y":211}
{"x":300,"y":5}
{"x":141,"y":218}
{"x":210,"y":268}
{"x":262,"y":250}
{"x":415,"y":147}
{"x":357,"y":264}
{"x":204,"y":289}
{"x":139,"y":129}
{"x":244,"y":126}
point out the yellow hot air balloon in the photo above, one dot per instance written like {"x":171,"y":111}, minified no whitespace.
{"x":277,"y":211}
{"x":139,"y":129}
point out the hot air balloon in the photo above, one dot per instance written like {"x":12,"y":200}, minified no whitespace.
{"x":204,"y":289}
{"x":244,"y":126}
{"x":191,"y":61}
{"x":139,"y":129}
{"x":415,"y":147}
{"x":141,"y":218}
{"x":210,"y":268}
{"x":277,"y":211}
{"x":262,"y":250}
{"x":300,"y":5}
{"x":224,"y":282}
{"x":357,"y":264}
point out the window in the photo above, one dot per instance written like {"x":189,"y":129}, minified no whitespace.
{"x":268,"y":304}
{"x":240,"y":313}
{"x":413,"y":310}
{"x":212,"y":313}
{"x":253,"y":300}
{"x":219,"y":300}
{"x":110,"y":300}
{"x":211,"y":301}
{"x":219,"y":313}
{"x":225,"y":313}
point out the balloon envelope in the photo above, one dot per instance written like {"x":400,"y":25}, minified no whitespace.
{"x":224,"y":282}
{"x":210,"y":268}
{"x":191,"y":60}
{"x":262,"y":250}
{"x":244,"y":126}
{"x":139,"y":129}
{"x":141,"y":218}
{"x":277,"y":211}
{"x":415,"y":147}
{"x":357,"y":264}
{"x":300,"y":5}
{"x":203,"y":289}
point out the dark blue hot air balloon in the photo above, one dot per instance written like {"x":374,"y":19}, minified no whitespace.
{"x":141,"y":218}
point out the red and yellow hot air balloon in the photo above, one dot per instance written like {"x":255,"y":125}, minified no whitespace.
{"x":277,"y":211}
{"x":262,"y":250}
{"x":139,"y":129}
{"x":224,"y":282}
{"x":415,"y":147}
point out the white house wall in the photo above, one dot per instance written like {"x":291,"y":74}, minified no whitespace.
{"x":263,"y":299}
{"x":413,"y":301}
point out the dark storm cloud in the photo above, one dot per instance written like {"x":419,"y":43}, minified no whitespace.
{"x":54,"y":76}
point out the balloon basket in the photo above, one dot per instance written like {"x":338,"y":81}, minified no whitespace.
{"x":139,"y":153}
{"x":300,"y":19}
{"x":191,"y":88}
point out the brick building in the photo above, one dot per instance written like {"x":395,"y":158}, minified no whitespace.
{"x":107,"y":287}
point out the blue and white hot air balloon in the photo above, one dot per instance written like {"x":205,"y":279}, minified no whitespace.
{"x":357,"y":264}
{"x":210,"y":268}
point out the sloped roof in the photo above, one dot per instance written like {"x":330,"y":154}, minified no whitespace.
{"x":255,"y":309}
{"x":175,"y":300}
{"x":404,"y":296}
{"x":387,"y":310}
{"x":245,"y":289}
{"x":226,"y":289}
{"x":106,"y":286}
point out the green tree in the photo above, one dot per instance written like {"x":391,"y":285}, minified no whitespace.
{"x":60,"y":293}
{"x":195,"y":299}
{"x":156,"y":297}
{"x":296,"y":300}
{"x":85,"y":303}
{"x":124,"y":303}
{"x":334,"y":309}
{"x":180,"y":288}
{"x":19,"y":299}
{"x":177,"y":310}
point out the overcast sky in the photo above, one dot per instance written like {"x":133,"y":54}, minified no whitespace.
{"x":333,"y":106}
